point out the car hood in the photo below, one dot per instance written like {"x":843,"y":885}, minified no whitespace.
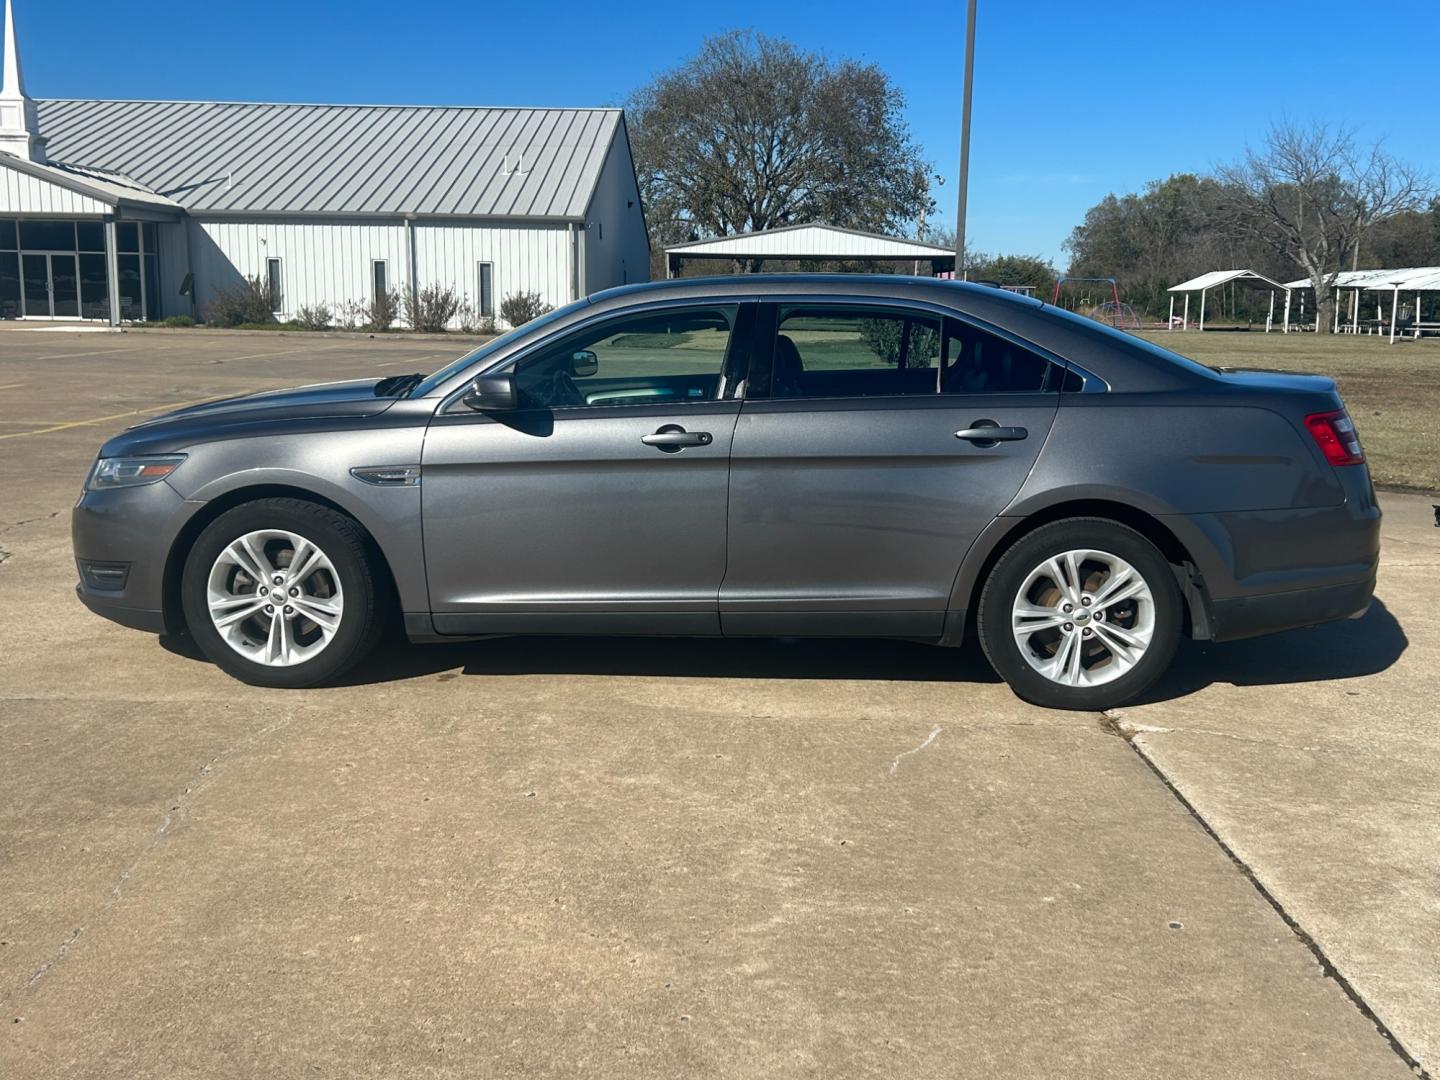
{"x":262,"y":413}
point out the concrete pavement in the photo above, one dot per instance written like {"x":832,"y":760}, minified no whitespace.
{"x":661,"y":858}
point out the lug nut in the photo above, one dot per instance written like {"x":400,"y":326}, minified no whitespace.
{"x":1087,"y":631}
{"x":264,"y":591}
{"x":1085,"y":600}
{"x":1068,"y":627}
{"x":1067,"y":608}
{"x":278,"y":579}
{"x":289,"y":610}
{"x":295,"y":592}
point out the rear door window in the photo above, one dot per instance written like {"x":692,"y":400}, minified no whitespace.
{"x":979,"y":362}
{"x":827,"y":351}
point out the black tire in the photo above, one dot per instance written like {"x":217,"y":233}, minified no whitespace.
{"x":350,"y":551}
{"x":1002,"y":588}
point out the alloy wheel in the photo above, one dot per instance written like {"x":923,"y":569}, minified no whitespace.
{"x":1083,"y":617}
{"x":274,"y":597}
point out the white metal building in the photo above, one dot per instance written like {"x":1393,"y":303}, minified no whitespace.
{"x":811,"y":243}
{"x":109,"y":209}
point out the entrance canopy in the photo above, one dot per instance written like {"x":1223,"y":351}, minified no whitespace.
{"x":1216,"y":278}
{"x":810,"y":243}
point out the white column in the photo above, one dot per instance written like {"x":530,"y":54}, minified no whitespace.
{"x":1394,"y":310}
{"x":1270,"y":318}
{"x":112,"y":272}
{"x":1336,"y":328}
{"x":1202,"y":307}
{"x":1171,"y":324}
{"x":1185,"y":320}
{"x":1355,"y":312}
{"x":1286,"y":328}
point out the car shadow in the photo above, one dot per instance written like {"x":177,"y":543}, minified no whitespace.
{"x":1338,"y":650}
{"x":712,"y":658}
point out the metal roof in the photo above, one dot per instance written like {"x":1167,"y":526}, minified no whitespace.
{"x":811,"y":242}
{"x":1407,"y":278}
{"x":104,"y":186}
{"x":1224,"y":277}
{"x":236,"y":157}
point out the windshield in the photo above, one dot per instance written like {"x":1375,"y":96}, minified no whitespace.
{"x":450,"y":370}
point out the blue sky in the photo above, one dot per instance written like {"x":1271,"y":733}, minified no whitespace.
{"x":1072,"y":100}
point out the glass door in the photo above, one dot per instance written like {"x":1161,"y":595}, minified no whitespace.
{"x":64,"y":287}
{"x":35,"y":269}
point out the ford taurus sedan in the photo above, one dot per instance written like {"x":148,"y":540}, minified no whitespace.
{"x":823,"y":456}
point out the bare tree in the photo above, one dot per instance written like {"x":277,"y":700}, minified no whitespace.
{"x":753,"y":133}
{"x":1311,"y":194}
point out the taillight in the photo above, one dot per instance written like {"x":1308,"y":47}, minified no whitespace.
{"x":1335,"y":434}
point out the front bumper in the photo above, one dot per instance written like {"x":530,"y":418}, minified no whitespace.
{"x":127,"y":532}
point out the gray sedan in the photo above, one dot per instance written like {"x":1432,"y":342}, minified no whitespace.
{"x":828,"y":456}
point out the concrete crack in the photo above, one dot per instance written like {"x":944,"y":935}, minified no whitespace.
{"x":1114,"y":725}
{"x":175,"y":811}
{"x":935,"y":734}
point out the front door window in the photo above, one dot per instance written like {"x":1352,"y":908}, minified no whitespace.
{"x":666,"y":357}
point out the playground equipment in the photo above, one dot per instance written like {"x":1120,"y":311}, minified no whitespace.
{"x":1117,"y":314}
{"x":1114,"y":312}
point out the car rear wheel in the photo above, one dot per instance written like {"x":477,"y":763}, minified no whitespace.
{"x":280,"y":592}
{"x":1081,"y":614}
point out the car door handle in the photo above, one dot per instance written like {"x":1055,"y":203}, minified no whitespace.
{"x":992,"y":434}
{"x":673,"y":437}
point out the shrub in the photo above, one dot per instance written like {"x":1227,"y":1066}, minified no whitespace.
{"x":431,"y":309}
{"x":177,"y":320}
{"x":252,"y":301}
{"x":519,"y":308}
{"x":352,"y":315}
{"x":317,"y":317}
{"x":382,"y":311}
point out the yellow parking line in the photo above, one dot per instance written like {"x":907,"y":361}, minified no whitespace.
{"x":76,"y":355}
{"x":12,"y":386}
{"x":114,"y":416}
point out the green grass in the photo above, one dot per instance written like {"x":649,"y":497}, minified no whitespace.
{"x":1392,"y":391}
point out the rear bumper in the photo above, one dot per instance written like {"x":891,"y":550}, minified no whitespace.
{"x":1251,"y":616}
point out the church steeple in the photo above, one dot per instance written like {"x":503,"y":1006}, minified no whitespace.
{"x":19,"y":123}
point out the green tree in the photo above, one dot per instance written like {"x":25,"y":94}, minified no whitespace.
{"x":754,"y":133}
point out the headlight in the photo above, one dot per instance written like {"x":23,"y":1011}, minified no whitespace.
{"x":131,"y":471}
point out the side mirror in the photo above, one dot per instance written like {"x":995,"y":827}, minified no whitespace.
{"x":493,"y":393}
{"x":584,"y":362}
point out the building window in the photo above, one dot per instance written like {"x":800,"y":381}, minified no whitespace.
{"x":275,"y":277}
{"x":487,"y":290}
{"x":378,"y":278}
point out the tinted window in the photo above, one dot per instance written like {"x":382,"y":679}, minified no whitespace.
{"x":47,"y":235}
{"x":91,"y":235}
{"x":832,"y":351}
{"x":979,"y":362}
{"x":653,"y":358}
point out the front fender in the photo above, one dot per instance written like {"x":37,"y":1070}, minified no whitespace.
{"x":320,"y":465}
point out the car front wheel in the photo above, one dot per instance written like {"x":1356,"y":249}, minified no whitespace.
{"x":280,"y":592}
{"x":1081,"y":614}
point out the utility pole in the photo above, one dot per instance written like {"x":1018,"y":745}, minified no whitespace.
{"x":964,"y":184}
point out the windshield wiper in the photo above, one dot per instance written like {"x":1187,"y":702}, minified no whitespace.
{"x":398,"y":385}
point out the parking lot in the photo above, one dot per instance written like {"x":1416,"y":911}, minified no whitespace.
{"x":666,"y":858}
